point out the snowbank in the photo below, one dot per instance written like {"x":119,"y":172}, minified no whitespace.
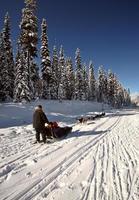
{"x":17,"y":114}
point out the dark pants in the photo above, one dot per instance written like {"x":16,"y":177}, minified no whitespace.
{"x":42,"y":132}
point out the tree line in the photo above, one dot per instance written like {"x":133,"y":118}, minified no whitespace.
{"x":57,"y":78}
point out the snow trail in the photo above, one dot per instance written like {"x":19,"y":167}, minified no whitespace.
{"x":98,"y":160}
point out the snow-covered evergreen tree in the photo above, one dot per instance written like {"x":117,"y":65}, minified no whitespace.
{"x":70,"y":79}
{"x":17,"y":76}
{"x":8,"y":67}
{"x":1,"y":86}
{"x":62,"y":72}
{"x":105,"y":87}
{"x":29,"y":38}
{"x":117,"y":101}
{"x":85,"y":84}
{"x":46,"y":63}
{"x":91,"y":83}
{"x":127,"y":98}
{"x":55,"y":75}
{"x":101,"y":84}
{"x":21,"y":89}
{"x":111,"y":87}
{"x":29,"y":28}
{"x":120,"y":94}
{"x":35,"y":79}
{"x":78,"y":76}
{"x":2,"y":64}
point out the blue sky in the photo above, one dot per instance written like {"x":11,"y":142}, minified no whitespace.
{"x":106,"y":31}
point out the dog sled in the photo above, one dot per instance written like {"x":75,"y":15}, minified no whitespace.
{"x":54,"y":131}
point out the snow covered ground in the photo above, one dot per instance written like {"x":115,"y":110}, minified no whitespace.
{"x":99,"y":160}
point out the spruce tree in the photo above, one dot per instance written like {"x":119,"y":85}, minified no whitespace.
{"x":17,"y":76}
{"x":120,"y":95}
{"x":116,"y":100}
{"x":91,"y":82}
{"x":62,"y":75}
{"x":85,"y":83}
{"x":78,"y":76}
{"x":70,"y":79}
{"x":105,"y":87}
{"x":21,"y":89}
{"x":2,"y":64}
{"x":55,"y":74}
{"x":102,"y":85}
{"x":111,"y":87}
{"x":29,"y":28}
{"x":29,"y":39}
{"x":35,"y":79}
{"x":127,"y":98}
{"x":8,"y":68}
{"x":46,"y":63}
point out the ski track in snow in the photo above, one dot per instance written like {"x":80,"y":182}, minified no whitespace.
{"x":84,"y":166}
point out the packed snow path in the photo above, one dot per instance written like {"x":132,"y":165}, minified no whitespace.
{"x":98,"y":161}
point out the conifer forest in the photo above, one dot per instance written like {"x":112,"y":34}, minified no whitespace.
{"x":57,"y":76}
